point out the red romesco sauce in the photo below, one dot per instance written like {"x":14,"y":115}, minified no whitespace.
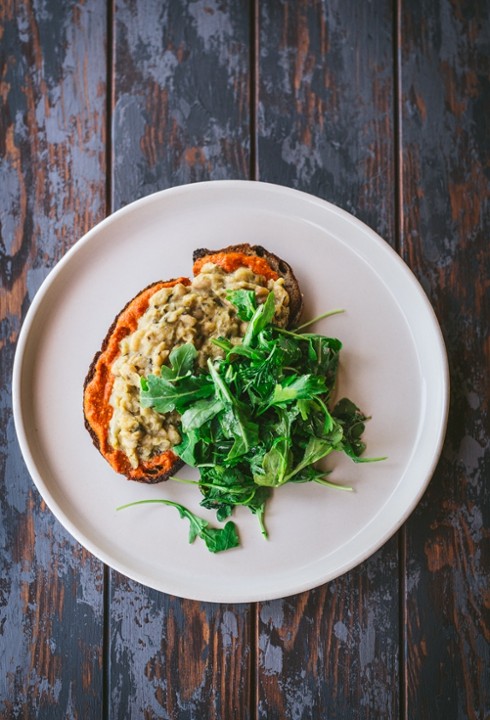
{"x":231,"y":261}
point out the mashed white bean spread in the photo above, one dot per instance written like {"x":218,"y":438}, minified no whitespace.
{"x":195,"y":313}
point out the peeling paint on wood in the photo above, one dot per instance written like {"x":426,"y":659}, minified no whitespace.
{"x":325,"y":116}
{"x":326,"y":127}
{"x":446,"y":192}
{"x":181,"y":95}
{"x":333,"y":650}
{"x":181,"y":115}
{"x":381,"y":108}
{"x":52,"y":146}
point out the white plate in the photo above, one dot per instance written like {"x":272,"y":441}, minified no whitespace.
{"x":393,"y":365}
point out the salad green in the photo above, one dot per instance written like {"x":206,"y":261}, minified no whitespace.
{"x":216,"y":539}
{"x":257,"y":418}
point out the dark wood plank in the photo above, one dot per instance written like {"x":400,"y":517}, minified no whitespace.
{"x":181,"y":95}
{"x":177,"y":658}
{"x":326,"y":125}
{"x":181,"y":114}
{"x":332,"y":652}
{"x":52,"y":148}
{"x":325,"y":115}
{"x":446,"y":222}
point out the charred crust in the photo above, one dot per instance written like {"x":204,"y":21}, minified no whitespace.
{"x":155,"y":475}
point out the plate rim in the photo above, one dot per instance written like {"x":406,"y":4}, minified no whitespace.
{"x":85,"y":541}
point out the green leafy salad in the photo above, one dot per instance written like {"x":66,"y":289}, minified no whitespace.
{"x":257,"y":418}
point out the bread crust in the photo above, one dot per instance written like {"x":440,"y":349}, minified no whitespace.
{"x":99,"y":380}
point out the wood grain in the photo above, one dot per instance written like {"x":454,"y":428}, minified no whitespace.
{"x":325,"y":125}
{"x":380,"y":107}
{"x":176,"y":658}
{"x":333,"y":651}
{"x":325,"y":111}
{"x":181,"y":114}
{"x":181,"y":105}
{"x":445,"y":202}
{"x":52,"y":157}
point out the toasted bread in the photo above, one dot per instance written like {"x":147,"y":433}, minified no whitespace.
{"x":98,"y":403}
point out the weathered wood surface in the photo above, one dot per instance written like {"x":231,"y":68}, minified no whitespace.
{"x":52,"y":170}
{"x":379,"y":107}
{"x":326,"y":126}
{"x":445,"y":220}
{"x":181,"y":114}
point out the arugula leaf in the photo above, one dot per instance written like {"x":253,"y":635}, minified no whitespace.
{"x":182,"y":361}
{"x":236,"y":424}
{"x":302,"y":387}
{"x":275,"y":465}
{"x":165,"y":396}
{"x":326,"y":360}
{"x":261,"y":318}
{"x":221,"y":389}
{"x":216,"y":539}
{"x":188,"y":449}
{"x":245,"y":301}
{"x":201,"y":412}
{"x":352,"y":421}
{"x":316,"y":449}
{"x":219,"y":539}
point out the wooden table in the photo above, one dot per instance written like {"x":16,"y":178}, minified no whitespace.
{"x":378,"y":106}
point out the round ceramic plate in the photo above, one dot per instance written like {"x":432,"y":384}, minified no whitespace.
{"x":393,"y":365}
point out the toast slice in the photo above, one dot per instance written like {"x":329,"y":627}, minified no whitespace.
{"x":137,"y":442}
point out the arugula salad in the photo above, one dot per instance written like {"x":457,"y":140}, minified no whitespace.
{"x":257,"y":418}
